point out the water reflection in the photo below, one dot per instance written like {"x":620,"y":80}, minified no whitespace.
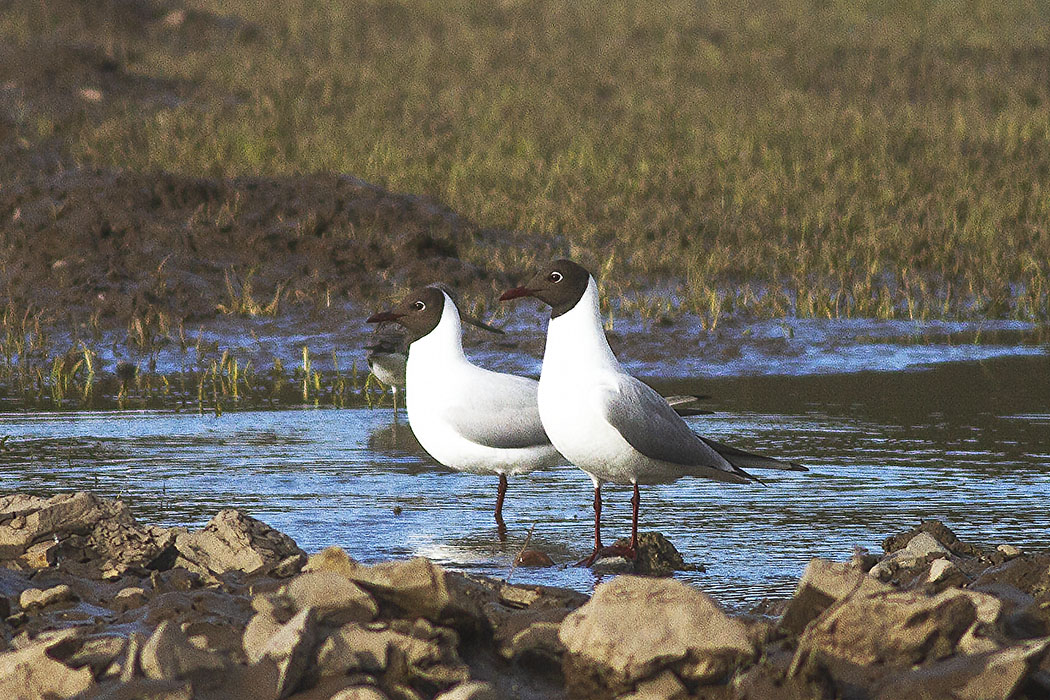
{"x":966,"y":443}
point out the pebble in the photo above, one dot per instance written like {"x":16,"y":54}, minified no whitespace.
{"x":535,"y":558}
{"x":33,"y":598}
{"x":1009,"y":550}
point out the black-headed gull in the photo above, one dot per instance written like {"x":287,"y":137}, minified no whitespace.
{"x":388,"y":350}
{"x":387,"y":356}
{"x":609,"y":424}
{"x":468,"y":418}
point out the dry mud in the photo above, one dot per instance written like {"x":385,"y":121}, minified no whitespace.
{"x":97,"y":605}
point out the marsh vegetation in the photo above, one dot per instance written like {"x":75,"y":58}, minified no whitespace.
{"x":793,"y":158}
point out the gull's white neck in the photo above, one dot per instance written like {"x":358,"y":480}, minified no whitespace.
{"x":577,"y":338}
{"x":442,"y":345}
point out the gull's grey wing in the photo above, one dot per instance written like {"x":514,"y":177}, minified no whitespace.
{"x":742,"y":458}
{"x":502,"y":412}
{"x":650,"y":425}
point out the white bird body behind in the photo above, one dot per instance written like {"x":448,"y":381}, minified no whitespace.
{"x":467,"y":417}
{"x":592,"y":410}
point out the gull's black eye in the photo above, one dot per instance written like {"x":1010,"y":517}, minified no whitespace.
{"x":554,"y":277}
{"x":419,"y":306}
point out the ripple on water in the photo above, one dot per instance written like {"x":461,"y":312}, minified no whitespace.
{"x":885,"y":451}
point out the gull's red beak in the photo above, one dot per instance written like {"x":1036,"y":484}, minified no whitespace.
{"x":383,"y":316}
{"x":517,"y":293}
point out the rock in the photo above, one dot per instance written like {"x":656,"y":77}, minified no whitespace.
{"x":424,"y":657}
{"x":416,"y":654}
{"x":289,"y":566}
{"x":174,"y":580}
{"x":129,"y":598}
{"x":665,"y":686}
{"x":168,"y":655}
{"x":471,"y":690}
{"x":920,"y":549}
{"x":823,"y":583}
{"x":206,"y":604}
{"x":130,"y":665}
{"x":335,"y":687}
{"x":420,"y":587}
{"x":146,"y":689}
{"x":94,"y":534}
{"x":902,"y":629}
{"x":360,"y":692}
{"x":529,"y":635}
{"x":536,"y":644}
{"x":1029,"y":573}
{"x":532,"y":596}
{"x":31,"y":672}
{"x":336,"y":599}
{"x":237,"y":682}
{"x":167,"y":606}
{"x":634,"y":628}
{"x":234,"y":542}
{"x":525,"y":619}
{"x":534,"y":558}
{"x":97,"y":652}
{"x":1009,"y":551}
{"x":924,"y":544}
{"x":353,"y":648}
{"x":997,"y":675}
{"x":612,"y":566}
{"x":939,"y":532}
{"x":41,"y":555}
{"x":257,"y":634}
{"x":290,"y":649}
{"x":216,"y":636}
{"x":333,"y":559}
{"x":34,"y":598}
{"x":656,"y":556}
{"x":943,"y":571}
{"x":1024,"y":616}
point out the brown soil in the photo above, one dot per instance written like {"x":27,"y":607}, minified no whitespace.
{"x":120,"y":245}
{"x":124,"y":244}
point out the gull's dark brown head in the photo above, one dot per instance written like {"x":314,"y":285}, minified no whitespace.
{"x":419,"y":312}
{"x":559,"y":284}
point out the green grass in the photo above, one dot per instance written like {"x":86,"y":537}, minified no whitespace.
{"x":836,"y":158}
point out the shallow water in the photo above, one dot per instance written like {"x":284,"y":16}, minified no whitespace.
{"x":968,"y":443}
{"x":680,"y":349}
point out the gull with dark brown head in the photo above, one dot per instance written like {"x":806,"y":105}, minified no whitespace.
{"x":609,"y":424}
{"x":388,"y":350}
{"x":466,"y":417}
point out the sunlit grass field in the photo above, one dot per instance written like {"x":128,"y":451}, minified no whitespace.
{"x":837,"y":158}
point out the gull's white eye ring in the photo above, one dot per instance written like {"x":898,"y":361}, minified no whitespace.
{"x":554,"y":277}
{"x":420,"y":306}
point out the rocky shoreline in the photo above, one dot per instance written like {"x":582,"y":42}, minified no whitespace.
{"x":96,"y":605}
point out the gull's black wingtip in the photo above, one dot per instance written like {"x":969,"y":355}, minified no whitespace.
{"x":751,"y":478}
{"x":796,"y":467}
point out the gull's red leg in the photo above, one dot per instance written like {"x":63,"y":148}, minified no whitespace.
{"x":500,"y":525}
{"x":597,"y":527}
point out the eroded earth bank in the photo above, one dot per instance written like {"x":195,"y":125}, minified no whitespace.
{"x":97,"y":605}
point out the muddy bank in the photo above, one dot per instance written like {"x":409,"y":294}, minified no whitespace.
{"x":109,"y":247}
{"x":96,"y":604}
{"x":105,"y":247}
